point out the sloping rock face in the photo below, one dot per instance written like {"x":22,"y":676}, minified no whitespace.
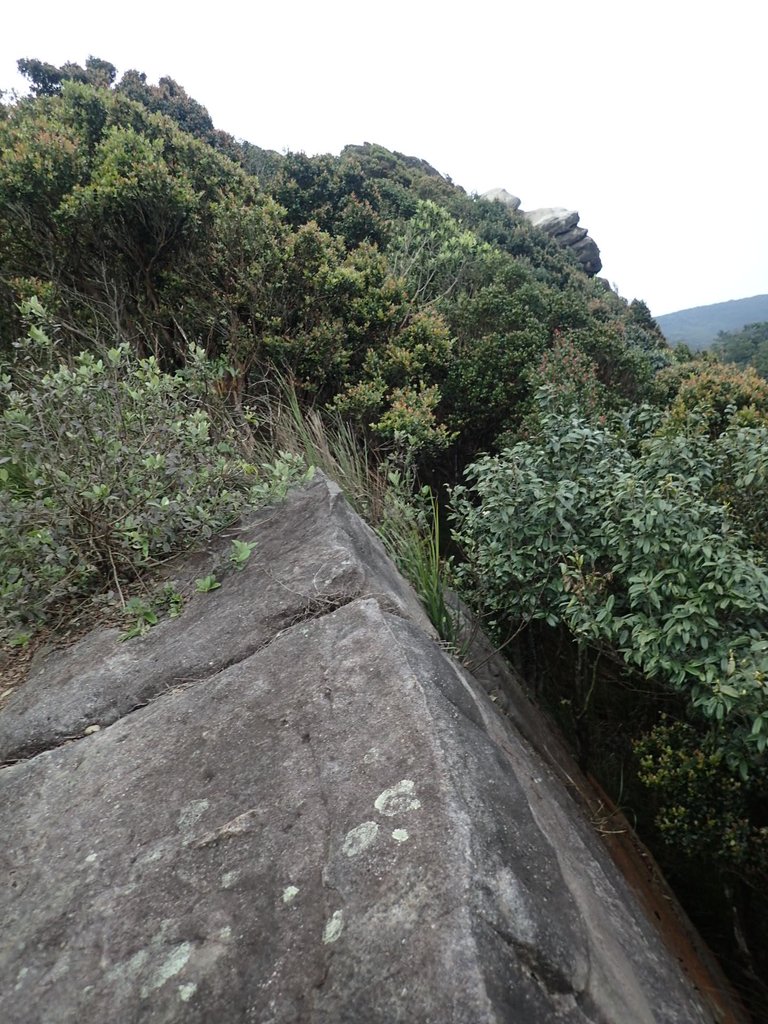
{"x":316,"y":816}
{"x":311,"y":556}
{"x":561,"y":225}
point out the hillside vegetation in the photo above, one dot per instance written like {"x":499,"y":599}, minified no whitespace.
{"x":189,"y":323}
{"x":699,"y":326}
{"x":745,"y":348}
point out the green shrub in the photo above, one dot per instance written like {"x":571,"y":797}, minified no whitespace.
{"x":719,"y":394}
{"x":571,"y":377}
{"x":587,"y":527}
{"x":108,"y":466}
{"x":701,"y":810}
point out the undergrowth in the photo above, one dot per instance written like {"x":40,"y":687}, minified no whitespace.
{"x":110,"y":464}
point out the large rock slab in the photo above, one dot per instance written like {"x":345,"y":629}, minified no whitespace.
{"x":328,"y":822}
{"x":563,"y":227}
{"x":571,"y":236}
{"x":338,"y":828}
{"x":588,"y":254}
{"x":311,"y":554}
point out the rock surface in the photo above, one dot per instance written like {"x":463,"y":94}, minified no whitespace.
{"x":325,"y":559}
{"x":318,"y":816}
{"x":500,"y":195}
{"x":587,"y":254}
{"x":555,"y":220}
{"x":560,"y":224}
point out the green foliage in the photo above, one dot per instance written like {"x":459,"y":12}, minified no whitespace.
{"x":335,"y":194}
{"x":143,"y":612}
{"x":410,"y":423}
{"x":170,"y":99}
{"x":110,"y":466}
{"x":719,"y":394}
{"x":730,"y":469}
{"x":410,"y":529}
{"x":433,"y":254}
{"x":240,"y":553}
{"x":143,"y":617}
{"x":740,"y":479}
{"x":747,"y":347}
{"x":591,"y":528}
{"x":172,"y":600}
{"x":112,"y":204}
{"x":46,"y":79}
{"x":206,"y":584}
{"x":571,"y":380}
{"x":701,"y":810}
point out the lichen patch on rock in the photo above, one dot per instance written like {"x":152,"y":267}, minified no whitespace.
{"x":192,"y":813}
{"x":333,"y":927}
{"x":398,"y":799}
{"x":169,"y":968}
{"x":359,"y":838}
{"x":290,"y":892}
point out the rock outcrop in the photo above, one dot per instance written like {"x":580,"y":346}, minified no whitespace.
{"x":299,"y":808}
{"x":500,"y":195}
{"x":561,"y":225}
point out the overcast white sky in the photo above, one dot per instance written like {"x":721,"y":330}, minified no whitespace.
{"x":646,"y":117}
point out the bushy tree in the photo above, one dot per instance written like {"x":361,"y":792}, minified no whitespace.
{"x":619,"y":542}
{"x":718,"y":394}
{"x":47,"y":79}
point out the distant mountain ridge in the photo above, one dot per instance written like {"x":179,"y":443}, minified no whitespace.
{"x":698,"y":327}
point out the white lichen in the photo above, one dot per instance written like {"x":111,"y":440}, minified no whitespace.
{"x":334,"y":927}
{"x":187,"y":991}
{"x":398,"y":799}
{"x":169,"y":968}
{"x":360,"y":837}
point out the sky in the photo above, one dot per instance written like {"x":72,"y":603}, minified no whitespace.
{"x":646,"y":117}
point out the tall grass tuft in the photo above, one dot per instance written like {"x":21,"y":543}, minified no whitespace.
{"x":386,"y":495}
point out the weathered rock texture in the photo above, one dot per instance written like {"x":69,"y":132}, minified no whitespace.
{"x":307,"y":561}
{"x":560,"y":224}
{"x":317,"y":816}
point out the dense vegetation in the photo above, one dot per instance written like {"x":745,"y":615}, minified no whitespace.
{"x":747,"y":347}
{"x":166,"y":290}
